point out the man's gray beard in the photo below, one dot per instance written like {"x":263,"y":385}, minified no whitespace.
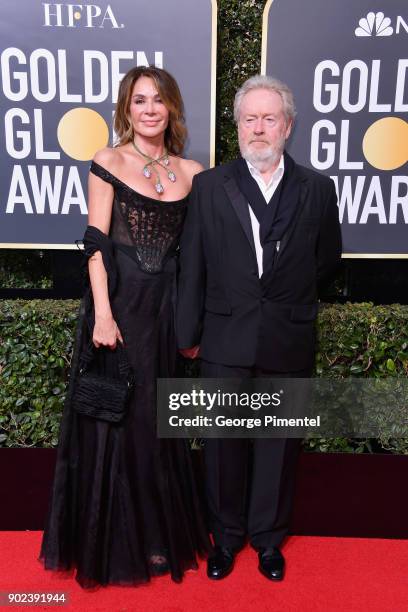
{"x":264,"y":159}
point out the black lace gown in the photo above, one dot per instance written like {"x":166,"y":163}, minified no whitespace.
{"x":124,"y":500}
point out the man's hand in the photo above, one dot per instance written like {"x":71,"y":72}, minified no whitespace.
{"x":190,"y":353}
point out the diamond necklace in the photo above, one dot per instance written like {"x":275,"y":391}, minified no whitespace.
{"x":162,"y":161}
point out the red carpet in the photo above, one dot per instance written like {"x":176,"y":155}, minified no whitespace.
{"x":323,"y":575}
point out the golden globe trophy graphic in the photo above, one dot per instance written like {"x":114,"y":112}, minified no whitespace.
{"x":82,"y":132}
{"x":385,"y":144}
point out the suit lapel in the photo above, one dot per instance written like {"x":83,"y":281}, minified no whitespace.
{"x":240,"y":205}
{"x":299,"y":190}
{"x":239,"y":202}
{"x":250,"y":188}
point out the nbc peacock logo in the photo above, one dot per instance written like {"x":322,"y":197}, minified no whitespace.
{"x":374,"y":24}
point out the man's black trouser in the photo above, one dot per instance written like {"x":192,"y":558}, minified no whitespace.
{"x":250,"y":483}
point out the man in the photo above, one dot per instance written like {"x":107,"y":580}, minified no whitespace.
{"x":261,"y":234}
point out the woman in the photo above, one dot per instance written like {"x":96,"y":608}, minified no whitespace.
{"x":124,"y":504}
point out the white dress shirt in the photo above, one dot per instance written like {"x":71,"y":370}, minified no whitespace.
{"x":267,"y":191}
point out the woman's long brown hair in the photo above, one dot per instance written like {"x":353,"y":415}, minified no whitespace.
{"x":176,"y":131}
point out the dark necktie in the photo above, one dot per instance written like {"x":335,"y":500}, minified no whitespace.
{"x":274,"y":218}
{"x":263,"y":211}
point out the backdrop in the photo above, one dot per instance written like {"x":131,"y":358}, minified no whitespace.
{"x":61,"y":65}
{"x":347,"y":64}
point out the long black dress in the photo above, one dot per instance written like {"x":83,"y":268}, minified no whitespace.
{"x":124,"y":500}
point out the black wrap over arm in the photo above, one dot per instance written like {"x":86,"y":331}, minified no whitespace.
{"x":95,"y":240}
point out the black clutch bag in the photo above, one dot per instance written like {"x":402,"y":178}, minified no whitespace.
{"x":104,"y":383}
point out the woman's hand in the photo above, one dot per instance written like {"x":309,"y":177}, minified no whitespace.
{"x":106,"y":332}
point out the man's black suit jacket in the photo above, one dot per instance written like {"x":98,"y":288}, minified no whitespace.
{"x":237,"y":318}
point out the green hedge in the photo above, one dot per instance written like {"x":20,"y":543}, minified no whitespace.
{"x":36,"y":341}
{"x":25,"y":269}
{"x":362,"y":340}
{"x":238,"y":58}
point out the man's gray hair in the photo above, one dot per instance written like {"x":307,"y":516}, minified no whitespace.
{"x":260,"y":81}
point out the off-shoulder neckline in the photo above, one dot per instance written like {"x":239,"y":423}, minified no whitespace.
{"x":142,"y":195}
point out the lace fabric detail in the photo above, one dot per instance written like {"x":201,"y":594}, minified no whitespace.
{"x":155,"y":230}
{"x":150,"y":226}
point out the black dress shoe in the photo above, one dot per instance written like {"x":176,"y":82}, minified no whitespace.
{"x":220,"y":563}
{"x":271,"y":563}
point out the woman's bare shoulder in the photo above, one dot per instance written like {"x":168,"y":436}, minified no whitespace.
{"x":109,"y":158}
{"x":191,"y":167}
